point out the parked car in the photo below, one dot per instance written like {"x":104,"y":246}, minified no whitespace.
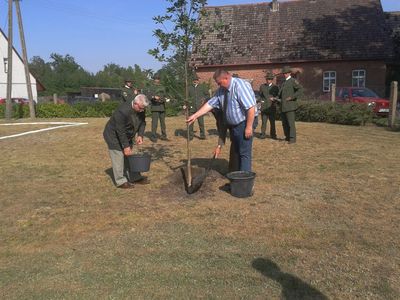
{"x":379,"y":105}
{"x":22,"y":101}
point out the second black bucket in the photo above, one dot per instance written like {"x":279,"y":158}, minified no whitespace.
{"x":139,"y":162}
{"x":242,"y":183}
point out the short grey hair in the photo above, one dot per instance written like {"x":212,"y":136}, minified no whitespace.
{"x":142,"y":99}
{"x":220,"y":72}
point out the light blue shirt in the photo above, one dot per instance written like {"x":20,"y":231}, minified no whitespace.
{"x":240,"y":99}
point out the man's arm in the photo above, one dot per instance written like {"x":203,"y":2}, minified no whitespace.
{"x":142,"y":126}
{"x":120,"y":122}
{"x":202,"y":111}
{"x":298,"y":89}
{"x":248,"y":132}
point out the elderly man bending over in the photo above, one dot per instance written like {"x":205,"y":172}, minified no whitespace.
{"x":236,"y":99}
{"x":126,"y":122}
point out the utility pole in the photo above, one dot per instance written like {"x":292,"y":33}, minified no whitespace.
{"x":25,"y":58}
{"x":9,"y":60}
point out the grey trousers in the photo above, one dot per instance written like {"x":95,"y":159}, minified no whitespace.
{"x":120,"y":167}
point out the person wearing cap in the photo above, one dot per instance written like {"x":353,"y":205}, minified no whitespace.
{"x":126,"y":123}
{"x":289,"y":93}
{"x":127,"y":91}
{"x":158,"y":99}
{"x":268,"y":94}
{"x":198,"y":95}
{"x":236,"y":99}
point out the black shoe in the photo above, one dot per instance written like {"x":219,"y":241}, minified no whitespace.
{"x":153,"y":139}
{"x":203,"y":137}
{"x":143,"y":181}
{"x":126,"y":185}
{"x":274,"y":137}
{"x":137,"y":178}
{"x":263,"y":136}
{"x":164,"y":138}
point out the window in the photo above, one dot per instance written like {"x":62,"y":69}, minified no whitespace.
{"x":329,"y":79}
{"x":358,"y":78}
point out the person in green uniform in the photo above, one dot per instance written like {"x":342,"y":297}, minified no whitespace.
{"x":158,"y":99}
{"x":198,"y":95}
{"x":127,"y":91}
{"x":268,"y":94}
{"x":289,"y":92}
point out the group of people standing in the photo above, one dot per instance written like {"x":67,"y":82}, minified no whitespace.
{"x":234,"y":106}
{"x":158,"y":97}
{"x":286,"y":97}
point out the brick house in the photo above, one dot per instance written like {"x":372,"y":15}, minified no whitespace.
{"x":324,"y":41}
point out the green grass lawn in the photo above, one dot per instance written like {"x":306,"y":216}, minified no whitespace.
{"x":323,"y":222}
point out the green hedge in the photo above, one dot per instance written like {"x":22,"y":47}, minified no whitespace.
{"x":335,"y":113}
{"x":309,"y":111}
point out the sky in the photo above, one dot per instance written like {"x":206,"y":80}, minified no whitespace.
{"x":98,"y":32}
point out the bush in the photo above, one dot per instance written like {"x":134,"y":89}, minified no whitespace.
{"x":335,"y":113}
{"x":18,"y":111}
{"x":76,"y":110}
{"x":308,"y":111}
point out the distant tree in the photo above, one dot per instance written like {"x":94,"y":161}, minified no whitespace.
{"x":62,"y":74}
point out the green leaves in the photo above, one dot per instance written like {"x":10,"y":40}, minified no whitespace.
{"x":179,"y":27}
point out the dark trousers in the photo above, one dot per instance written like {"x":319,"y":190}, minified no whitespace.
{"x":270,"y":114}
{"x":155,"y":115}
{"x":200,"y":120}
{"x":289,"y":125}
{"x":242,"y":146}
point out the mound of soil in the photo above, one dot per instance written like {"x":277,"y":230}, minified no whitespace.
{"x":175,"y":188}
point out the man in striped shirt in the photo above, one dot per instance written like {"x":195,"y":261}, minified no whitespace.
{"x":236,"y":99}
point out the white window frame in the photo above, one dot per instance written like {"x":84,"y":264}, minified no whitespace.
{"x":331,"y":77}
{"x":355,"y":75}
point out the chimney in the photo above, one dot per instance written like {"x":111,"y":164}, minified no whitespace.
{"x":274,"y":5}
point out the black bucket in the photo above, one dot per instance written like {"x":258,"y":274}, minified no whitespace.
{"x":139,"y":162}
{"x":242,"y":183}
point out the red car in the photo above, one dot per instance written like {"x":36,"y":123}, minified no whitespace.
{"x":379,"y":105}
{"x":15,"y":100}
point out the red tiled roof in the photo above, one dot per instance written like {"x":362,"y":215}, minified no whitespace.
{"x":303,"y":30}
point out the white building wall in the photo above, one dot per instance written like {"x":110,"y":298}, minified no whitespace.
{"x":19,"y":89}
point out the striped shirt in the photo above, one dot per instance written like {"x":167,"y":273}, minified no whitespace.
{"x":240,"y":99}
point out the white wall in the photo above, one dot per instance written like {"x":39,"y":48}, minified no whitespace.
{"x":19,"y":89}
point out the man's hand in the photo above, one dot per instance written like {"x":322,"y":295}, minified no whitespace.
{"x":157,"y":98}
{"x":288,"y":98}
{"x":248,"y":132}
{"x":139,"y":140}
{"x":191,"y":119}
{"x":127,"y":151}
{"x":217,"y":151}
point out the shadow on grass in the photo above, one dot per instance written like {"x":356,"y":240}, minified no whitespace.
{"x":212,"y":131}
{"x":220,"y":165}
{"x":110,"y":174}
{"x":292,"y":286}
{"x":181,"y":132}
